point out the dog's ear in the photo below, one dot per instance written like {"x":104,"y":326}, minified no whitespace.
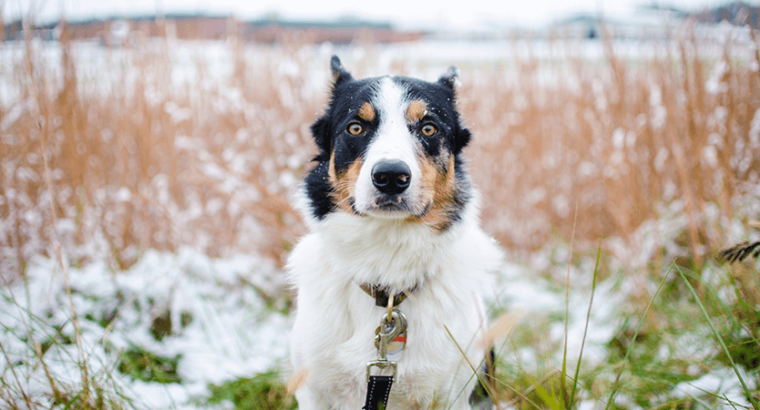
{"x":340,"y":75}
{"x":461,"y":138}
{"x":450,"y":78}
{"x":321,"y":129}
{"x":321,"y":132}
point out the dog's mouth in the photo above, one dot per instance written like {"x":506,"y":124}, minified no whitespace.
{"x":389,"y":205}
{"x":395,"y":206}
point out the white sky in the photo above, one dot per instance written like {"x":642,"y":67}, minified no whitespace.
{"x":405,"y":13}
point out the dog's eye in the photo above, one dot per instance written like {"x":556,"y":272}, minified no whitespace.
{"x":428,"y":130}
{"x":355,"y":128}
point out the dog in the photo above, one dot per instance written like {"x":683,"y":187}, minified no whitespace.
{"x":392,"y":215}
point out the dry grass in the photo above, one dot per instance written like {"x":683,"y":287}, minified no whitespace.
{"x":615,"y":138}
{"x":141,"y":162}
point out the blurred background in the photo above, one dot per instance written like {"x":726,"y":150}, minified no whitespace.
{"x":150,"y":152}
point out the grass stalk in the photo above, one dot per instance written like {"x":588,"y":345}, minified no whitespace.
{"x":524,"y":394}
{"x":59,"y":253}
{"x":585,"y":329}
{"x":614,"y":388}
{"x":721,"y":397}
{"x":731,"y":403}
{"x":474,"y":371}
{"x":26,"y":398}
{"x":750,"y":397}
{"x":563,"y":393}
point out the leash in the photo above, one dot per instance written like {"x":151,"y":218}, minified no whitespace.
{"x":390,"y":341}
{"x":391,"y":333}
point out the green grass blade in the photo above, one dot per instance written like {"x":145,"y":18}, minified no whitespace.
{"x":633,"y":340}
{"x":729,"y":401}
{"x":475,"y":372}
{"x":715,"y":395}
{"x":720,"y":340}
{"x":548,"y":399}
{"x":522,"y":395}
{"x":563,"y":387}
{"x":585,"y":330}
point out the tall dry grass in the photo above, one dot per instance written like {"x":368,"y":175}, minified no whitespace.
{"x":137,"y":163}
{"x":616,"y":138}
{"x":147,"y":161}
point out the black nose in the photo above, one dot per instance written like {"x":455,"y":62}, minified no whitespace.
{"x":391,"y":177}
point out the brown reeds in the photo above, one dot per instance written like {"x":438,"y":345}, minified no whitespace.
{"x":616,"y":137}
{"x":137,"y":163}
{"x":148,"y":152}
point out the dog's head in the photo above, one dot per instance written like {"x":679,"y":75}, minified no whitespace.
{"x":390,"y":148}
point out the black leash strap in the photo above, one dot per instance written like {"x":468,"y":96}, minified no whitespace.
{"x":392,"y":324}
{"x":378,"y":389}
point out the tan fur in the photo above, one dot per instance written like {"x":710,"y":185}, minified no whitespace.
{"x":343,"y":184}
{"x":416,"y":111}
{"x":438,"y":186}
{"x":367,"y":112}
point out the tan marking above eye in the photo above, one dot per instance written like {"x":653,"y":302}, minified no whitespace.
{"x":429,"y":130}
{"x":416,"y":111}
{"x":355,"y":128}
{"x":367,"y":112}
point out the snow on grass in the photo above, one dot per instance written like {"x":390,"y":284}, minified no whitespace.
{"x":223,"y":319}
{"x":722,"y":382}
{"x":212,"y":314}
{"x":521,"y":289}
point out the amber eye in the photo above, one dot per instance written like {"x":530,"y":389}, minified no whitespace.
{"x":355,"y":128}
{"x":429,"y":129}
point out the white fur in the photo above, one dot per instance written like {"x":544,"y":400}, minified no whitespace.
{"x":333,"y":335}
{"x":334,"y":330}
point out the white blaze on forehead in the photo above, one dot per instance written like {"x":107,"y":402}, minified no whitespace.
{"x":392,"y":140}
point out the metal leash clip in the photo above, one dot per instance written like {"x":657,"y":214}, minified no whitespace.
{"x":389,"y":328}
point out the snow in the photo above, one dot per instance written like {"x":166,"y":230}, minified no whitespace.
{"x":722,"y":382}
{"x":232,"y":333}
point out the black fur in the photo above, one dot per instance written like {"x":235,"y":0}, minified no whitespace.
{"x":481,"y":398}
{"x":348,"y":95}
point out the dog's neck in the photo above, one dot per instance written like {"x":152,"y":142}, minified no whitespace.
{"x":391,"y":253}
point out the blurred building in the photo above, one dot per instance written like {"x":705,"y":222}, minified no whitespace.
{"x":122,"y":31}
{"x":738,"y":13}
{"x":655,"y":22}
{"x":274,"y":30}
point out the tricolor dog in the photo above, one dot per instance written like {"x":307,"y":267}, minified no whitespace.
{"x":393,"y":227}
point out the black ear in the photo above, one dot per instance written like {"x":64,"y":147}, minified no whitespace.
{"x":340,"y":75}
{"x":321,"y":132}
{"x":450,"y":78}
{"x":461,"y":139}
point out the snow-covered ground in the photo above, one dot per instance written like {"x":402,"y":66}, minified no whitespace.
{"x":221,"y":327}
{"x":228,"y":320}
{"x":224,"y":315}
